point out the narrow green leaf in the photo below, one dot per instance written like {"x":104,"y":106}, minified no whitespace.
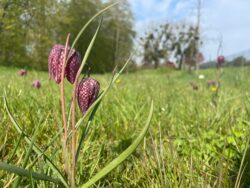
{"x":23,"y":172}
{"x":16,"y":146}
{"x":97,"y":159}
{"x":69,"y":117}
{"x":26,"y":159}
{"x":240,"y":172}
{"x":90,"y":20}
{"x":91,"y":44}
{"x":123,"y":156}
{"x":35,"y":147}
{"x":86,"y":130}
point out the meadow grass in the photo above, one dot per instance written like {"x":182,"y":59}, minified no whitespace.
{"x":195,"y":139}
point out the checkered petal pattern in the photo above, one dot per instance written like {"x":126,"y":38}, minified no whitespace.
{"x":87,"y":93}
{"x":220,"y":59}
{"x":55,"y":63}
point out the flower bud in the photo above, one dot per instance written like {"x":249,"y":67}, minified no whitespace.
{"x":22,"y":72}
{"x":211,"y":83}
{"x":55,"y":63}
{"x":220,"y":60}
{"x":194,"y":86}
{"x":36,"y":84}
{"x":87,"y":93}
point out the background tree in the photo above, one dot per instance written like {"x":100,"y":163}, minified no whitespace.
{"x":12,"y":28}
{"x":181,"y":41}
{"x":171,"y":40}
{"x":153,"y":49}
{"x":238,"y":61}
{"x":121,"y":24}
{"x":29,"y":28}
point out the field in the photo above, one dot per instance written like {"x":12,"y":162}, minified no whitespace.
{"x":195,"y":139}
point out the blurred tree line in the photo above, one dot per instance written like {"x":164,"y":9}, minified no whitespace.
{"x":238,"y":61}
{"x":29,"y":28}
{"x":178,"y":41}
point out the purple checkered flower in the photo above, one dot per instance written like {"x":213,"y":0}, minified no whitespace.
{"x":211,"y":83}
{"x":220,"y":60}
{"x":87,"y":93}
{"x":36,"y":84}
{"x":55,"y":63}
{"x":22,"y":72}
{"x":194,"y":86}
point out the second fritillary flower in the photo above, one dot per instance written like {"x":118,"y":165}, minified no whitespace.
{"x":87,"y":93}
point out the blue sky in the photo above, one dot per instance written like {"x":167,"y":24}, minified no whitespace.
{"x":227,"y":18}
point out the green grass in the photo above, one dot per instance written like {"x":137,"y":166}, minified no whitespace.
{"x":191,"y":142}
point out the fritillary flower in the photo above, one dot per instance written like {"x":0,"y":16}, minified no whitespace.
{"x":22,"y":72}
{"x":211,"y":82}
{"x":220,"y":60}
{"x":87,"y":93}
{"x":36,"y":84}
{"x":55,"y":63}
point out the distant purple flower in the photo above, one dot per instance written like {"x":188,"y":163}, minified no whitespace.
{"x":194,"y":86}
{"x":87,"y":93}
{"x":36,"y":84}
{"x":211,"y":82}
{"x":55,"y":63}
{"x":22,"y":72}
{"x":220,"y":60}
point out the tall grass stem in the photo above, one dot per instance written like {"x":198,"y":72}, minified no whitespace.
{"x":65,"y":140}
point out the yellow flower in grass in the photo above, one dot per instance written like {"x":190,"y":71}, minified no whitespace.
{"x":118,"y":81}
{"x":214,"y":88}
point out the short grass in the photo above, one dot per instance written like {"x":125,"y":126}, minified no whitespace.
{"x":195,"y":139}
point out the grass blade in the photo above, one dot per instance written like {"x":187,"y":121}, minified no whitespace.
{"x":35,"y":147}
{"x":123,"y":156}
{"x":240,"y":172}
{"x":26,"y":159}
{"x":90,"y":20}
{"x":85,"y":131}
{"x":23,"y":172}
{"x":88,"y":51}
{"x":17,"y":145}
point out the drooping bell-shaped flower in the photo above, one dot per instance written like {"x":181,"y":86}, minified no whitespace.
{"x":36,"y":84}
{"x":55,"y":63}
{"x":220,"y":60}
{"x":73,"y":66}
{"x":194,"y":86}
{"x":22,"y":72}
{"x":87,"y":93}
{"x":211,"y":83}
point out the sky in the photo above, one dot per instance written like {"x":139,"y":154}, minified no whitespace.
{"x":228,"y":20}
